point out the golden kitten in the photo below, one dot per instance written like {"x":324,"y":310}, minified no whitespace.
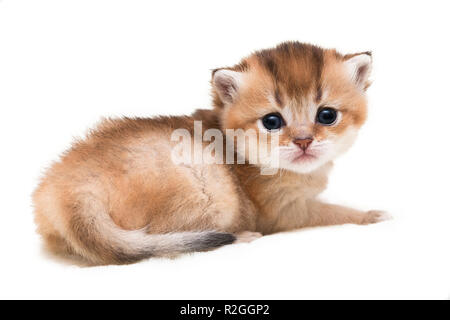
{"x":117,"y":196}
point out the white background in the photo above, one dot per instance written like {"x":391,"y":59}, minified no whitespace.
{"x":65,"y":64}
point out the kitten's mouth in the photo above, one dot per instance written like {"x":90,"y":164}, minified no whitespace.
{"x":304,"y":157}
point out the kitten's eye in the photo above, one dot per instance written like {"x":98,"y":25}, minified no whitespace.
{"x":326,"y":116}
{"x":273,"y":121}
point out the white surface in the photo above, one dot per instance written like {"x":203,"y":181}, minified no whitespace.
{"x":65,"y":64}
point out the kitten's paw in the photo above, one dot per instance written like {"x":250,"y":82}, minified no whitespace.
{"x":375,"y":216}
{"x":247,"y":236}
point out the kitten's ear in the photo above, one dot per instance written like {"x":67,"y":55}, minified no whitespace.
{"x":227,"y":83}
{"x":359,"y":67}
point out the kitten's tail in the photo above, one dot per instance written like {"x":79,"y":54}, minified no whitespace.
{"x":100,"y":240}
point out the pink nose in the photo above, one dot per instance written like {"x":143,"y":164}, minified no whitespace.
{"x":303,"y":143}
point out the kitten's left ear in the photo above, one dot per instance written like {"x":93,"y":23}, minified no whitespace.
{"x":359,"y":67}
{"x":227,"y":84}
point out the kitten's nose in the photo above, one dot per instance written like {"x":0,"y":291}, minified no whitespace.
{"x":303,"y":143}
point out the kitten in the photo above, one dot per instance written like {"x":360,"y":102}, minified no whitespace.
{"x":117,"y":196}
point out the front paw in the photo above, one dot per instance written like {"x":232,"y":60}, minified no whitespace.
{"x":375,"y":216}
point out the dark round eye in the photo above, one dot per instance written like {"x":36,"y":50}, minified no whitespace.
{"x":272,"y":121}
{"x":326,"y":116}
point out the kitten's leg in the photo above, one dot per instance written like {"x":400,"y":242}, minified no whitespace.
{"x":323,"y":214}
{"x":247,"y":236}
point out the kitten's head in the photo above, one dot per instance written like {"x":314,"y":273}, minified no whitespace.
{"x":313,"y":99}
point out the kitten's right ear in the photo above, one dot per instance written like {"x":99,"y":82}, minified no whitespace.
{"x":227,"y":83}
{"x":359,"y":66}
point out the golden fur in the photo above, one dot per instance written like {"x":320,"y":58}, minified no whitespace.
{"x":116,"y":196}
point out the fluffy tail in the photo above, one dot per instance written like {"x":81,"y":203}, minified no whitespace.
{"x":100,"y":240}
